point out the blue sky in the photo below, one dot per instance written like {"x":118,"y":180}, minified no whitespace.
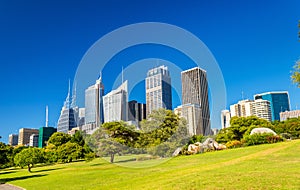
{"x":42,"y":43}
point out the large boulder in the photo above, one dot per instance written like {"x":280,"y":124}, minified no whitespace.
{"x":211,"y":144}
{"x":262,"y":130}
{"x":195,"y":148}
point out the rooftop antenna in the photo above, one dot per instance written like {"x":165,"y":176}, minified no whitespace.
{"x":122,"y":75}
{"x":46,"y":116}
{"x":242,"y":95}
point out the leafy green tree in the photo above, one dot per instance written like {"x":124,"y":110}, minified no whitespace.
{"x":29,"y":157}
{"x":78,"y":138}
{"x":59,"y":138}
{"x":241,"y":126}
{"x":69,"y":152}
{"x":296,"y":73}
{"x":6,"y":155}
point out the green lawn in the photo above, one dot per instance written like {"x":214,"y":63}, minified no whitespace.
{"x":273,"y":166}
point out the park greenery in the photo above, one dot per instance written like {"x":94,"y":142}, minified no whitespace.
{"x":158,"y":136}
{"x":268,"y":166}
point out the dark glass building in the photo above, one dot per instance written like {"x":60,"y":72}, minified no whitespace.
{"x":44,"y":135}
{"x":279,"y":102}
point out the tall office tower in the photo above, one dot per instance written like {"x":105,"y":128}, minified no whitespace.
{"x":24,"y":135}
{"x":279,"y":102}
{"x":13,"y":139}
{"x":115,"y":104}
{"x":158,"y":89}
{"x":195,"y":91}
{"x":67,"y":119}
{"x":289,"y":114}
{"x":34,"y":140}
{"x":94,"y":115}
{"x":136,"y":112}
{"x":44,"y":135}
{"x":225,"y":118}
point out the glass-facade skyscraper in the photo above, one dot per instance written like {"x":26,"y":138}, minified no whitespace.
{"x":94,"y":115}
{"x":279,"y":102}
{"x":158,"y":89}
{"x":67,"y":119}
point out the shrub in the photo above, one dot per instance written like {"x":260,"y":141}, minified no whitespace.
{"x":234,"y":144}
{"x":265,"y":138}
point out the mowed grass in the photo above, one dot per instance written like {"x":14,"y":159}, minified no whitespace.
{"x":272,"y":166}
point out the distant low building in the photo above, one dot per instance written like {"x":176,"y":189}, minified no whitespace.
{"x":34,"y":140}
{"x":225,"y":118}
{"x":13,"y":139}
{"x":289,"y":114}
{"x":24,"y":136}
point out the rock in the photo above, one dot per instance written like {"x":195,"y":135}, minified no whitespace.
{"x":262,"y":130}
{"x":176,"y":152}
{"x":195,"y":148}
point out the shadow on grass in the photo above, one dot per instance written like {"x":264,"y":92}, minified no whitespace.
{"x":128,"y":160}
{"x":46,"y":170}
{"x":99,"y":164}
{"x":5,"y":180}
{"x":7,"y":172}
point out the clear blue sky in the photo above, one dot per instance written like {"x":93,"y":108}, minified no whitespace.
{"x":42,"y":42}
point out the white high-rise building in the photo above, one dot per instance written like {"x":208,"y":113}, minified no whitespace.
{"x":158,"y":89}
{"x":115,"y":104}
{"x":225,"y":118}
{"x":262,"y":109}
{"x":244,"y":108}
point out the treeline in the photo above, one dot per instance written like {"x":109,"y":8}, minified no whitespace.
{"x":60,"y":147}
{"x":238,"y":134}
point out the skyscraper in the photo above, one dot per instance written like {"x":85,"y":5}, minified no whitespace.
{"x":115,"y":104}
{"x":67,"y":119}
{"x":158,"y":89}
{"x":195,"y":91}
{"x":279,"y":102}
{"x":136,"y":112}
{"x":94,"y":115}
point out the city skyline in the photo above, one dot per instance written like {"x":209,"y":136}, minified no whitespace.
{"x":254,"y":42}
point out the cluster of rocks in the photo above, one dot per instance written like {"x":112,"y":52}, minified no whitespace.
{"x":207,"y":145}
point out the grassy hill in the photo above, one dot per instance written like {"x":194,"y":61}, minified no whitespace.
{"x":272,"y":166}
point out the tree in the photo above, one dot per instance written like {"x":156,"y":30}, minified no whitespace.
{"x":102,"y":144}
{"x":6,"y":155}
{"x":296,"y":74}
{"x":59,"y":138}
{"x":28,"y":157}
{"x":69,"y":152}
{"x":241,"y":126}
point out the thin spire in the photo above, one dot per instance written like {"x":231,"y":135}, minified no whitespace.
{"x":242,"y":95}
{"x":122,"y":75}
{"x":67,"y":102}
{"x":73,"y":104}
{"x":46,"y":116}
